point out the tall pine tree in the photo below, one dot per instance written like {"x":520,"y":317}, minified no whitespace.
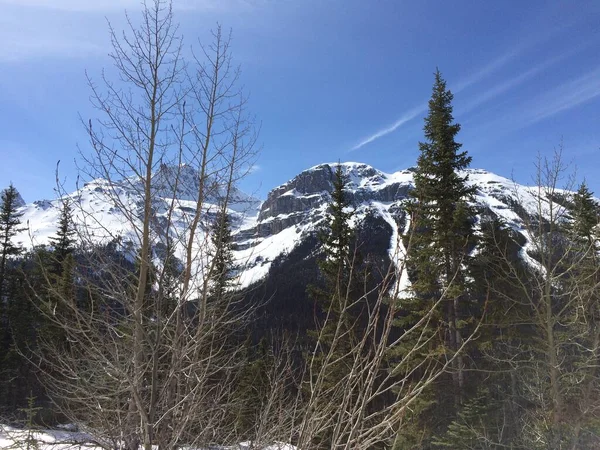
{"x":63,"y":242}
{"x":584,"y":322}
{"x":336,"y":264}
{"x":335,"y":335}
{"x":223,"y":267}
{"x":9,"y":226}
{"x":585,"y":213}
{"x":10,"y":221}
{"x":58,"y":267}
{"x":441,"y":239}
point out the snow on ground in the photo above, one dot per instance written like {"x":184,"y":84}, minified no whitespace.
{"x":14,"y":438}
{"x":20,"y":439}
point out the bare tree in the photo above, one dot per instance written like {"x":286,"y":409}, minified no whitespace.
{"x":149,"y":358}
{"x":370,"y":403}
{"x":554,"y":302}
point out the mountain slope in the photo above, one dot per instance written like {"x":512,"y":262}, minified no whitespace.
{"x":289,"y":216}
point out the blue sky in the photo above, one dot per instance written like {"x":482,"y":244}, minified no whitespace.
{"x":329,"y":80}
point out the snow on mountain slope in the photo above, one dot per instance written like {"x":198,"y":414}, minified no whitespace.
{"x":104,"y":212}
{"x":291,"y":212}
{"x":297,"y":208}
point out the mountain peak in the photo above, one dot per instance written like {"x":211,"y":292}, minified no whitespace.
{"x":19,"y":202}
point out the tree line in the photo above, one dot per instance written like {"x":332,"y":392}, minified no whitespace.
{"x":475,"y":335}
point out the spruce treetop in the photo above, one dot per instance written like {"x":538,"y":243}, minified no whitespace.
{"x":440,"y":157}
{"x":338,"y":235}
{"x":585,"y":212}
{"x":64,"y":240}
{"x":10,"y":219}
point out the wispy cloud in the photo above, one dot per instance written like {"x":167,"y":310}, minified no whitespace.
{"x":486,"y":70}
{"x":103,"y":6}
{"x":73,"y":28}
{"x":503,"y":60}
{"x":36,"y":34}
{"x":511,"y":83}
{"x":563,"y":97}
{"x":474,"y":78}
{"x":254,"y":168}
{"x":566,"y":96}
{"x":76,"y":5}
{"x":406,"y":117}
{"x":22,"y":48}
{"x":413,"y":113}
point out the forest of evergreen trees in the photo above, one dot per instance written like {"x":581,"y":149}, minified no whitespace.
{"x":494,"y":345}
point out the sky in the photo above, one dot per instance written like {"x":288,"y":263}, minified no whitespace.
{"x":328,"y":80}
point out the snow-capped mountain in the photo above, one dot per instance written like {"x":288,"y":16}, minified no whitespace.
{"x":107,"y":209}
{"x":289,"y":216}
{"x":294,"y":210}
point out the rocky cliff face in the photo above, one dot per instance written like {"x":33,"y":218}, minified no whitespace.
{"x":303,"y":199}
{"x":294,"y":211}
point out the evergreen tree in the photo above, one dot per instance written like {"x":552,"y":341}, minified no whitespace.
{"x":223,"y":267}
{"x":57,"y":266}
{"x":23,"y":325}
{"x":540,"y":340}
{"x":10,"y":219}
{"x":61,"y":265}
{"x":583,"y":360}
{"x":491,"y":414}
{"x":585,"y":213}
{"x":336,"y":237}
{"x":439,"y":244}
{"x":251,"y":386}
{"x":337,"y":261}
{"x":9,"y":227}
{"x":63,"y":242}
{"x":335,"y":335}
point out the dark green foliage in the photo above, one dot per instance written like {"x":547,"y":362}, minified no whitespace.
{"x":336,"y":296}
{"x":491,"y":413}
{"x":58,"y":266}
{"x":481,"y":424}
{"x":30,"y":442}
{"x":10,"y":221}
{"x":11,"y":298}
{"x":223,"y":267}
{"x":337,"y":261}
{"x":440,"y":241}
{"x":442,"y":219}
{"x":63,"y":243}
{"x":336,"y":236}
{"x":583,"y":387}
{"x":585,"y":213}
{"x":40,"y":289}
{"x":24,"y":323}
{"x":252,"y":387}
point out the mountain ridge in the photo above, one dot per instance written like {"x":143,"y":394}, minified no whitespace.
{"x":264,"y":231}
